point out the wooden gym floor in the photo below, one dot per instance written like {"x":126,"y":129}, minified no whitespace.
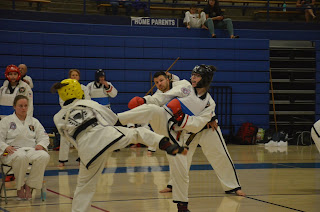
{"x":275,"y":179}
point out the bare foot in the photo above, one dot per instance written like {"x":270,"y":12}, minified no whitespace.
{"x":61,"y":165}
{"x":27,"y":192}
{"x":149,"y":153}
{"x":240,"y":193}
{"x":166,"y":190}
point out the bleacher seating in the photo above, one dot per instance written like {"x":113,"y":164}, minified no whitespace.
{"x":102,"y":29}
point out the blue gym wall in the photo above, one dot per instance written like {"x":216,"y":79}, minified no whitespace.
{"x":51,"y":50}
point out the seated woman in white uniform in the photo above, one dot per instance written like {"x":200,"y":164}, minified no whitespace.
{"x":23,"y":141}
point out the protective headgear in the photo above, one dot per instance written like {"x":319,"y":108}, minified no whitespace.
{"x":71,"y":90}
{"x":206,"y":72}
{"x":12,"y":68}
{"x":99,"y":73}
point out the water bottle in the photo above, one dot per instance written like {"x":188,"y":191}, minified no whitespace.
{"x":284,"y":7}
{"x":44,"y":191}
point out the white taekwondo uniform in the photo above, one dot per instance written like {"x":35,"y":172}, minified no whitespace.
{"x":315,"y":134}
{"x":64,"y":144}
{"x":214,"y":148}
{"x":6,"y":97}
{"x":26,"y":77}
{"x":24,"y":136}
{"x":158,"y":118}
{"x":174,"y":78}
{"x":89,"y":126}
{"x":99,"y":93}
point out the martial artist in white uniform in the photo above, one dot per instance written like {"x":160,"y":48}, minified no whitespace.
{"x":315,"y":134}
{"x":12,"y":87}
{"x":160,"y":79}
{"x":26,"y":142}
{"x":24,"y":77}
{"x":64,"y":144}
{"x":100,"y":90}
{"x":214,"y":147}
{"x":191,"y":105}
{"x":89,"y":126}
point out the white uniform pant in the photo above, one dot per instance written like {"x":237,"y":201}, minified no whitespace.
{"x":315,"y":134}
{"x":64,"y":149}
{"x":88,"y":178}
{"x":157,"y":117}
{"x":20,"y":160}
{"x":214,"y":148}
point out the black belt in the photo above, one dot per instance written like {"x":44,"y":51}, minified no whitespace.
{"x":92,"y":122}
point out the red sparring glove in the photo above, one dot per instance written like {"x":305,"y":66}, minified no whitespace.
{"x":135,"y":102}
{"x":175,"y":107}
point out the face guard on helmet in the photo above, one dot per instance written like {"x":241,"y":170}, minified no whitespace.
{"x":12,"y":68}
{"x":99,"y":74}
{"x":206,"y":72}
{"x":71,"y":90}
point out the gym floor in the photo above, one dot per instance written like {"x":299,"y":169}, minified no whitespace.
{"x":276,"y":179}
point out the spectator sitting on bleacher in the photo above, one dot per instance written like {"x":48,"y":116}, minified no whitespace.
{"x":215,"y":19}
{"x":194,"y":18}
{"x":308,"y":5}
{"x":24,"y":77}
{"x":116,"y":3}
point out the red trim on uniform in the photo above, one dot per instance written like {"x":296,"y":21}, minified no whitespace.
{"x":185,"y":121}
{"x":110,"y":89}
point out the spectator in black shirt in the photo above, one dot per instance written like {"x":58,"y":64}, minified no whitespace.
{"x":215,"y":19}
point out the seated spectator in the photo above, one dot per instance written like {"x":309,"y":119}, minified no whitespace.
{"x":24,"y":77}
{"x":12,"y":87}
{"x":116,"y":3}
{"x":22,"y":141}
{"x":215,"y":19}
{"x":194,"y":18}
{"x":308,"y":6}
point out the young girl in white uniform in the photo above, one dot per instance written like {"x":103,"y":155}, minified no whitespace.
{"x":89,"y":126}
{"x":23,"y":140}
{"x":100,"y":90}
{"x":12,"y":87}
{"x":64,"y":145}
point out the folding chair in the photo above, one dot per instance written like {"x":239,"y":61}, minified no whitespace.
{"x":3,"y":188}
{"x":4,"y":174}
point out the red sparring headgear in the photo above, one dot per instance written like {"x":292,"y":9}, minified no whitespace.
{"x":12,"y":68}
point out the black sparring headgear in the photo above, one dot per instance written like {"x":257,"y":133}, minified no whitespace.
{"x":206,"y":72}
{"x":99,"y":73}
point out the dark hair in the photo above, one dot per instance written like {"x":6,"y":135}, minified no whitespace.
{"x":216,"y":7}
{"x":18,"y":97}
{"x":57,"y":86}
{"x":159,"y":73}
